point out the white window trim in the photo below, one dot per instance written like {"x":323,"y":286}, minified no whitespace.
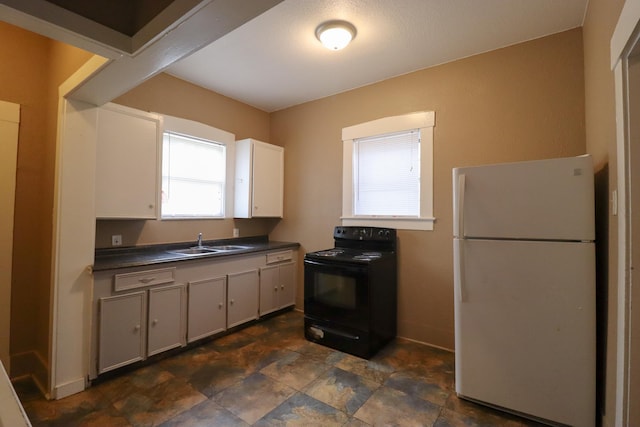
{"x":424,"y":121}
{"x":202,"y":131}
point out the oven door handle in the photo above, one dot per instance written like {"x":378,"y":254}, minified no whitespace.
{"x":335,"y":332}
{"x":336,"y":265}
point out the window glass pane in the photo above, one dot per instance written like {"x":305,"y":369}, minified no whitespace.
{"x":387,"y":175}
{"x":193,"y":177}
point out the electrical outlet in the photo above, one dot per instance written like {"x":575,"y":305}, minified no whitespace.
{"x":116,"y":240}
{"x":236,"y":232}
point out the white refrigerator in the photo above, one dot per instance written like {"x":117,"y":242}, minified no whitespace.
{"x":524,"y":286}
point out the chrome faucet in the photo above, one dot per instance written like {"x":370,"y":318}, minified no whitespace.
{"x":199,"y":240}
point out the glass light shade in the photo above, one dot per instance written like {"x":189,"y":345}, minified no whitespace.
{"x":335,"y":35}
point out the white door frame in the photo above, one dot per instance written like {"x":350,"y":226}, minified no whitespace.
{"x":624,"y":44}
{"x":9,"y":127}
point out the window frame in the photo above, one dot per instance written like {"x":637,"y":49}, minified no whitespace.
{"x":190,"y":128}
{"x":423,"y":121}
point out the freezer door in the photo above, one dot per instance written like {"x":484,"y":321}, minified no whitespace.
{"x":544,"y":199}
{"x":525,"y":327}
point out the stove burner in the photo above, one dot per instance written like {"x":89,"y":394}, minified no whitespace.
{"x":368,"y":256}
{"x":330,"y":253}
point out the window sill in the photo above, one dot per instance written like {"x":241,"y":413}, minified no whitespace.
{"x":178,"y":218}
{"x":399,"y":223}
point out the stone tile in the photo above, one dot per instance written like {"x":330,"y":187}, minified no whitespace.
{"x":205,"y":414}
{"x":343,"y":390}
{"x":354,"y":422}
{"x":185,"y":364}
{"x":257,"y":355}
{"x":216,"y":375}
{"x":302,"y":410}
{"x":295,"y":370}
{"x":251,"y":376}
{"x":159,"y":403}
{"x":435,"y":364}
{"x":370,"y":369}
{"x":418,"y":386}
{"x":134,"y":382}
{"x":74,"y":410}
{"x":460,"y":412}
{"x":232,"y":341}
{"x":329,"y":355}
{"x":390,"y":407}
{"x":253,"y":397}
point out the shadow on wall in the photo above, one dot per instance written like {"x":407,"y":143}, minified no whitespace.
{"x":602,"y":274}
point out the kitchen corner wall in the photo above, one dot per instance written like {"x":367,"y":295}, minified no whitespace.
{"x":521,"y":102}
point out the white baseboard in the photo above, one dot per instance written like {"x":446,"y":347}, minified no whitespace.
{"x":69,"y":388}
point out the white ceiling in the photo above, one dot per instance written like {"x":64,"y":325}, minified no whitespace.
{"x":274,"y":61}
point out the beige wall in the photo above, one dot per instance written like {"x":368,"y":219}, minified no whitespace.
{"x":518,"y":103}
{"x":168,"y":95}
{"x":600,"y":21}
{"x":31,"y":71}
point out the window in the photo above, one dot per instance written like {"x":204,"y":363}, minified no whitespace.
{"x":388,"y":172}
{"x":195,"y":170}
{"x":193,"y":177}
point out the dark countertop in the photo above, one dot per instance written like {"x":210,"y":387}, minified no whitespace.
{"x":136,"y":256}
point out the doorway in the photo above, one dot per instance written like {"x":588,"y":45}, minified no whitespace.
{"x":633,"y":218}
{"x":9,"y":125}
{"x":625,"y":56}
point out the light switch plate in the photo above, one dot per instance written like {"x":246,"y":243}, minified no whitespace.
{"x":116,"y":240}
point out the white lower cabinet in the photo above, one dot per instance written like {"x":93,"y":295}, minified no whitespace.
{"x":135,"y":325}
{"x":122,"y":325}
{"x":207,"y":307}
{"x":140,"y":312}
{"x":167,"y":318}
{"x":277,"y":287}
{"x":243,"y":302}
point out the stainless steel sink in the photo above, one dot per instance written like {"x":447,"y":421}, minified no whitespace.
{"x":194,"y":251}
{"x":227,"y":248}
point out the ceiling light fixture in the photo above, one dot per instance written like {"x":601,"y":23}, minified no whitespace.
{"x":335,"y":35}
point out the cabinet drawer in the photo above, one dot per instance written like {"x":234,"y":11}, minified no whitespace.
{"x":141,"y":279}
{"x":275,"y":257}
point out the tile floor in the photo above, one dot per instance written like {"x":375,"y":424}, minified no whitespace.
{"x":269,"y":375}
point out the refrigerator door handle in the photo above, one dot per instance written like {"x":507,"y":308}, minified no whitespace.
{"x":460,"y":206}
{"x":458,"y":275}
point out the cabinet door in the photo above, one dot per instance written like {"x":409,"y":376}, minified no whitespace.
{"x":126,"y":163}
{"x":287,"y":291}
{"x":268,"y":180}
{"x":167,"y":318}
{"x":207,"y":308}
{"x":121,"y":334}
{"x":269,"y":289}
{"x":242,"y":292}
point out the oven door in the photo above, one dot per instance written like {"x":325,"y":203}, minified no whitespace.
{"x":337,"y":292}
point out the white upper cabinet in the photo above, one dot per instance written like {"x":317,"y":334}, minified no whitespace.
{"x":259,"y":179}
{"x":127,"y":158}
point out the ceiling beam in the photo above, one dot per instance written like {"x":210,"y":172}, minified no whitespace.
{"x":204,"y":24}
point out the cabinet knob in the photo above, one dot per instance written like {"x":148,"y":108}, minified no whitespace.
{"x":275,"y":289}
{"x":155,"y":322}
{"x":150,"y":206}
{"x":282,"y":287}
{"x":231,"y":302}
{"x":220,"y":306}
{"x":136,"y":328}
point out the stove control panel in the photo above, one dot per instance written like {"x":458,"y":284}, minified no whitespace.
{"x":365,"y":233}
